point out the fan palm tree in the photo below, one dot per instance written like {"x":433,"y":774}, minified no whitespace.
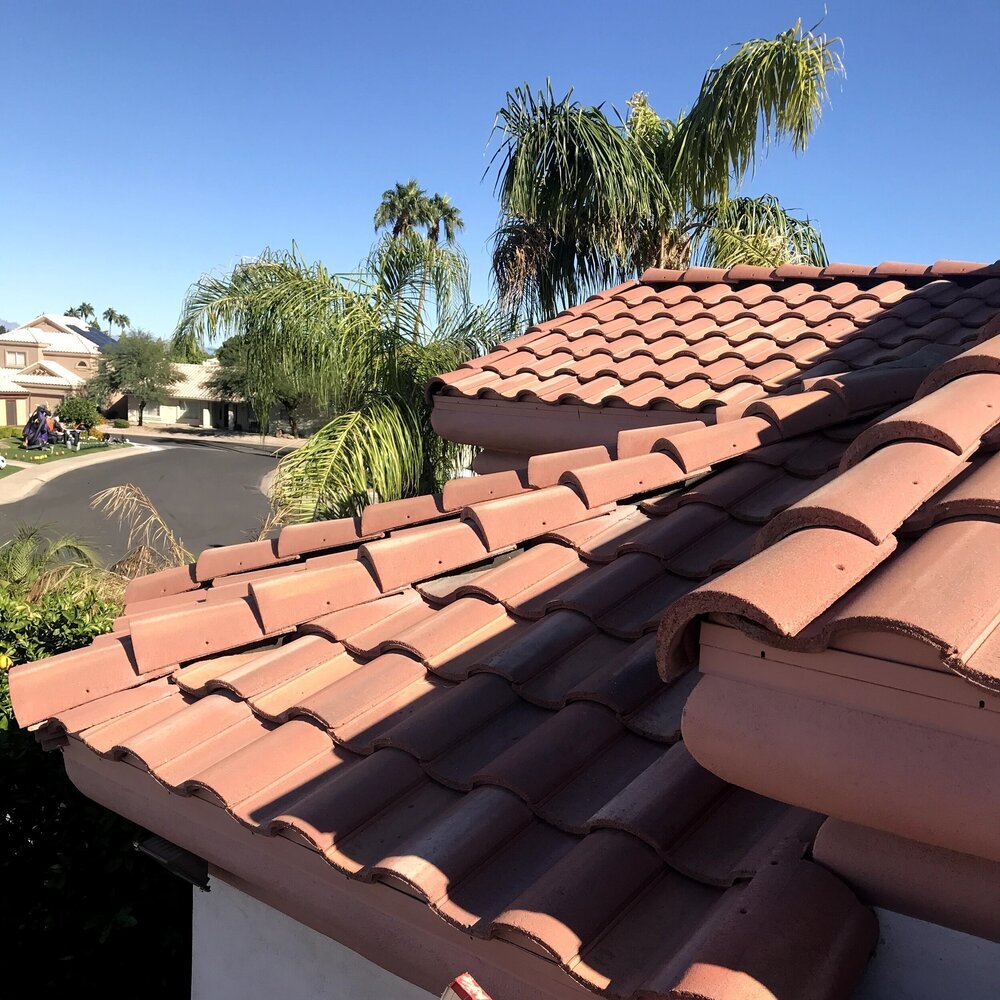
{"x":404,"y":207}
{"x":367,"y":356}
{"x":123,"y":322}
{"x":110,"y":316}
{"x":85,"y":311}
{"x":586,"y":202}
{"x":442,"y":213}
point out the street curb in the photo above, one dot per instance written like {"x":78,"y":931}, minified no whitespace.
{"x":20,"y":487}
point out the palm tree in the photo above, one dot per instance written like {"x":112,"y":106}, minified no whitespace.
{"x":110,"y":317}
{"x":440,"y":213}
{"x":86,"y":311}
{"x":404,"y":207}
{"x":368,"y":357}
{"x":443,"y":213}
{"x":586,"y":202}
{"x":123,"y":322}
{"x":32,"y":564}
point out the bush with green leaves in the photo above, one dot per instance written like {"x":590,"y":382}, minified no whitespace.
{"x":78,"y":410}
{"x":119,"y":423}
{"x":78,"y":900}
{"x":10,"y":431}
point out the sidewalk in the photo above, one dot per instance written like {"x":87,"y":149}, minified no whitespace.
{"x":183,"y":434}
{"x":33,"y":477}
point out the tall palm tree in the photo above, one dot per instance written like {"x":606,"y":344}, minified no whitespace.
{"x":123,"y":322}
{"x":368,"y":357}
{"x":442,"y":213}
{"x":110,"y":316}
{"x":85,"y":311}
{"x":586,"y":202}
{"x":404,"y":207}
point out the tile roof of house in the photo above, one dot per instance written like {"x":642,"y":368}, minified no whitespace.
{"x":700,"y":339}
{"x":193,"y":380}
{"x":75,"y":337}
{"x":57,"y":376}
{"x":459,"y":694}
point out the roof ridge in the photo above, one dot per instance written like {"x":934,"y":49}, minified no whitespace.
{"x":916,"y":273}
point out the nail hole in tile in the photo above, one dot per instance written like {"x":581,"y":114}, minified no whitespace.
{"x":982,"y":704}
{"x":840,"y":566}
{"x":763,"y":655}
{"x":743,"y":910}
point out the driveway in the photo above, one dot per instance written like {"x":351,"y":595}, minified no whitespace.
{"x":208,"y":496}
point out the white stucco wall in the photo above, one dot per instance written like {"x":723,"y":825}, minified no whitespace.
{"x":921,"y":961}
{"x":243,"y":949}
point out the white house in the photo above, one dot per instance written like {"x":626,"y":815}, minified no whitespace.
{"x":192,"y":402}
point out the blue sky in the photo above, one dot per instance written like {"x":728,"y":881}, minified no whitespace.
{"x":146,"y":143}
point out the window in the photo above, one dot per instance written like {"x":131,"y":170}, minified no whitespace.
{"x":82,"y":364}
{"x":16,"y":359}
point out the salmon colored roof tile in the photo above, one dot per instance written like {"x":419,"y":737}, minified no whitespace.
{"x":477,"y":696}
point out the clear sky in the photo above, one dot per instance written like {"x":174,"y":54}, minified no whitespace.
{"x":147,"y":142}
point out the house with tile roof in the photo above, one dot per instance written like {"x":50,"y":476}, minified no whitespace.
{"x":694,"y":692}
{"x":44,"y":361}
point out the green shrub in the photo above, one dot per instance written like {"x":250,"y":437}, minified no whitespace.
{"x":10,"y":431}
{"x":119,"y":423}
{"x":78,"y":410}
{"x":78,"y":901}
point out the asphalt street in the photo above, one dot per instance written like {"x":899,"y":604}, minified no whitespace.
{"x":208,"y":496}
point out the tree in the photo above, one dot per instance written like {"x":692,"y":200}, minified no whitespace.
{"x":586,"y":202}
{"x":443,"y":214}
{"x":404,"y":207}
{"x":123,"y":323}
{"x":110,"y":316}
{"x":367,"y":358}
{"x":78,"y":410}
{"x":232,"y":382}
{"x":137,"y":364}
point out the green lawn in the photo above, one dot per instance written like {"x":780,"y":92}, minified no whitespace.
{"x":12,"y":449}
{"x":9,"y":471}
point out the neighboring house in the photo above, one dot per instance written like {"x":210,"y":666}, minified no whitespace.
{"x":705,"y":704}
{"x":194,"y":403}
{"x":43,"y":361}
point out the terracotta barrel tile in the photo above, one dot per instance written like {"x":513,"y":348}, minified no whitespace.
{"x":601,"y":484}
{"x":984,"y":357}
{"x":457,"y":766}
{"x":511,"y":520}
{"x":877,"y":387}
{"x":643,"y":440}
{"x":75,"y":720}
{"x":621,"y":682}
{"x":236,"y":559}
{"x":371,"y":641}
{"x":251,"y":674}
{"x":112,"y":736}
{"x":299,"y":539}
{"x":300,"y":597}
{"x":446,"y":722}
{"x":178,"y":636}
{"x":448,"y":851}
{"x":722,"y":489}
{"x":550,"y":686}
{"x":763,"y":504}
{"x":545,"y":470}
{"x":664,"y":537}
{"x":473,"y":903}
{"x":257,"y":775}
{"x":367,"y":687}
{"x":782,"y":588}
{"x":420,"y":553}
{"x":725,"y":546}
{"x":277,"y":701}
{"x":581,"y":895}
{"x":573,"y":806}
{"x":660,"y":718}
{"x":618,"y":528}
{"x":529,"y":649}
{"x":608,"y":586}
{"x":822,"y":940}
{"x":873,"y":498}
{"x":699,"y":449}
{"x":165,"y":583}
{"x":801,"y":412}
{"x":663,"y":800}
{"x":973,"y":493}
{"x":342,"y":624}
{"x":955,"y":417}
{"x":535,"y":575}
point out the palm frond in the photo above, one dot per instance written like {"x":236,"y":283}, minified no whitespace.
{"x":375,"y":453}
{"x":756,"y":231}
{"x":146,"y":526}
{"x":769,"y":90}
